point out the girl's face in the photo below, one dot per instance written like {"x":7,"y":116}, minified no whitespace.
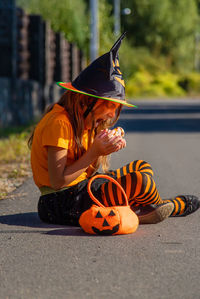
{"x":103,"y":110}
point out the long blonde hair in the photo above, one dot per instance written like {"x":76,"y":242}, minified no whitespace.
{"x":73,"y":103}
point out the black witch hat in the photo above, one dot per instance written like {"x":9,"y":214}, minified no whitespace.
{"x":102,"y":78}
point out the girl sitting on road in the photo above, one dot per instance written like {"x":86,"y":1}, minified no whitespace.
{"x":73,"y":139}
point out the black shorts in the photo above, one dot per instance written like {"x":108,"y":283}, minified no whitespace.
{"x":65,"y":207}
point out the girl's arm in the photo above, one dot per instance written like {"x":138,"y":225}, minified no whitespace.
{"x":92,"y":169}
{"x":60,"y":175}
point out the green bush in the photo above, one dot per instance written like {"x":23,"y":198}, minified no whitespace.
{"x":190,"y":83}
{"x":142,"y":83}
{"x":138,"y":83}
{"x":169,"y":84}
{"x":153,"y":90}
{"x":135,"y":59}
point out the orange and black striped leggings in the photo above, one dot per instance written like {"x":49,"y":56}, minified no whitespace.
{"x":137,"y":180}
{"x":66,"y":206}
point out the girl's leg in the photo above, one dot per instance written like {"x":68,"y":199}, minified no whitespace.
{"x":137,"y":165}
{"x":56,"y":209}
{"x":137,"y":180}
{"x":140,"y":189}
{"x":65,"y":207}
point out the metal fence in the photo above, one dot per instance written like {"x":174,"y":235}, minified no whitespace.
{"x":32,"y":58}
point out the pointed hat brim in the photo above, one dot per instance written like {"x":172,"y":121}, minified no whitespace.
{"x":69,"y":86}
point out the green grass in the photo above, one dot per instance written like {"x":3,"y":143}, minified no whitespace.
{"x":14,"y":147}
{"x":13,"y":143}
{"x":14,"y":158}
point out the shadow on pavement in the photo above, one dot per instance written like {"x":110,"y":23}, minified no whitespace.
{"x":32,"y":220}
{"x":23,"y":219}
{"x":161,"y":118}
{"x":67,"y":231}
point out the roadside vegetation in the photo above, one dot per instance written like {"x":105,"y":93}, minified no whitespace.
{"x":14,"y":158}
{"x":160,"y":56}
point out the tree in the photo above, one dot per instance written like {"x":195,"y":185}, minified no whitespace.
{"x":106,"y":21}
{"x":73,"y":18}
{"x":164,"y":27}
{"x":67,"y":16}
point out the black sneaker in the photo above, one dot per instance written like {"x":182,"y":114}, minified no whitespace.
{"x":152,"y":214}
{"x":192,"y":203}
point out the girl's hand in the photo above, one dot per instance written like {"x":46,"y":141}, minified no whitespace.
{"x":105,"y":144}
{"x":121,"y":144}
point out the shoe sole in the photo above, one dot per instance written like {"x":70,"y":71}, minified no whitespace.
{"x":158,"y":215}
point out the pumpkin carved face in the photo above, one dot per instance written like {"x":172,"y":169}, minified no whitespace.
{"x":106,"y":222}
{"x":100,"y":221}
{"x":109,"y":220}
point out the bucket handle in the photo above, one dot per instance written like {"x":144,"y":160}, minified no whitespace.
{"x":104,"y":176}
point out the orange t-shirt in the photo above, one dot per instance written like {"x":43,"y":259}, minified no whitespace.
{"x":54,"y":129}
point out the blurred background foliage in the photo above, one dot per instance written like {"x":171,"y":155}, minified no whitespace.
{"x":161,"y":54}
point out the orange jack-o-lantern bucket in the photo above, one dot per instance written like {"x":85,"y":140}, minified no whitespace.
{"x":115,"y":220}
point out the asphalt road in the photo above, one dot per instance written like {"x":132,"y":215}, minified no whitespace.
{"x":157,"y":261}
